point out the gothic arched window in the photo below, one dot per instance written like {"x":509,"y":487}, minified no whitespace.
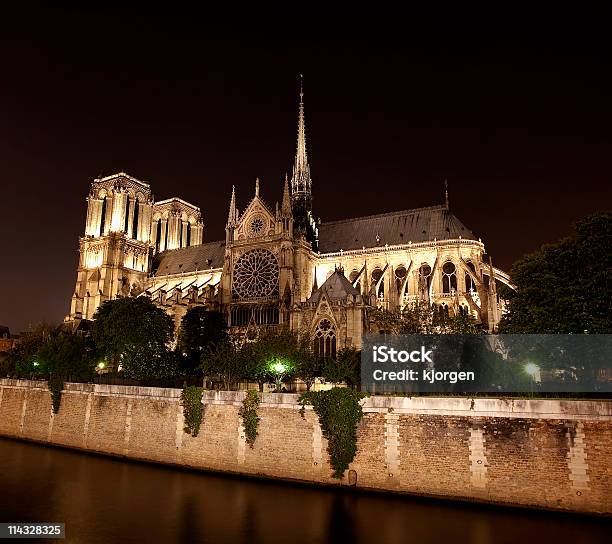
{"x":449,"y":277}
{"x":400,"y":277}
{"x":126,"y":219}
{"x":135,"y":220}
{"x":376,"y":276}
{"x":158,"y":231}
{"x":469,"y":282}
{"x":103,"y":217}
{"x":324,"y":343}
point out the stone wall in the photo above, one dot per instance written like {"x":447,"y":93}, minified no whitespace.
{"x":543,"y":453}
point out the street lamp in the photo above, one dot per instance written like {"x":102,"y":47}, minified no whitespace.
{"x":532,"y":369}
{"x":279,"y":369}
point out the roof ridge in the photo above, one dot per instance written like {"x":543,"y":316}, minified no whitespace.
{"x":387,"y":214}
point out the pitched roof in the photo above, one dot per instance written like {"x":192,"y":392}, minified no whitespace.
{"x":418,"y":225}
{"x":189,"y":259}
{"x":335,"y":287}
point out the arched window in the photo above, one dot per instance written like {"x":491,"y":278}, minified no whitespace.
{"x":158,"y":236}
{"x":103,"y":217}
{"x":449,"y":278}
{"x":188,"y":235}
{"x":135,"y":221}
{"x":400,"y":277}
{"x":126,"y":221}
{"x":324,"y":343}
{"x":376,"y":275}
{"x":469,"y":282}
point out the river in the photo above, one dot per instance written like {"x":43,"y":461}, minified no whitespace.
{"x":107,"y":500}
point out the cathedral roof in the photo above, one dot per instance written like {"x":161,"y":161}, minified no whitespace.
{"x":395,"y":228}
{"x":335,"y":287}
{"x":189,"y":259}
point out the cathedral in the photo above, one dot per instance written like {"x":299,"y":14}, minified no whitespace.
{"x":281,"y":265}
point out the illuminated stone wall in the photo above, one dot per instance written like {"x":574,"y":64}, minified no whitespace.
{"x":545,"y":453}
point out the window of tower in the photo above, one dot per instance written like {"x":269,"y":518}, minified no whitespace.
{"x":126,"y":221}
{"x":135,"y":220}
{"x":449,"y":277}
{"x":103,"y":217}
{"x":158,"y":236}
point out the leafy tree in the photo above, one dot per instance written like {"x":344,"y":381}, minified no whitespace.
{"x":134,"y":335}
{"x":345,"y":369}
{"x":565,"y":287}
{"x":227,"y":361}
{"x":200,"y":329}
{"x":23,"y":356}
{"x":67,"y":355}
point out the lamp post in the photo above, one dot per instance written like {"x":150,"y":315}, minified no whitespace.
{"x":279,"y":370}
{"x":532,"y":369}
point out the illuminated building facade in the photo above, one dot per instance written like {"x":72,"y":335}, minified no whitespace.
{"x":280,"y":265}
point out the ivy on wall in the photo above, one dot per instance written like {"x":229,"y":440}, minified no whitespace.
{"x":55,"y":384}
{"x":250,"y":419}
{"x":339,"y":414}
{"x":191,"y":399}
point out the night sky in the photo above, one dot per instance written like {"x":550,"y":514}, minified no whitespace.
{"x":523,"y":134}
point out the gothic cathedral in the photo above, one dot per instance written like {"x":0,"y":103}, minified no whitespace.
{"x":280,"y":265}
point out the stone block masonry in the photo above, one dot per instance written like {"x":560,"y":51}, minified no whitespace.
{"x":554,"y":454}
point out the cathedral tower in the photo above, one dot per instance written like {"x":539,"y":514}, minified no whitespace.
{"x":114,"y":253}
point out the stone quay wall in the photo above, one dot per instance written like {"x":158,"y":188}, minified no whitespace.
{"x":554,"y":454}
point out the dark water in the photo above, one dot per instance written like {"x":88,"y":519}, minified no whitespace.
{"x":108,"y":500}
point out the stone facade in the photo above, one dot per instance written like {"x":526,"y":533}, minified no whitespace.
{"x":280,"y":264}
{"x":551,"y":454}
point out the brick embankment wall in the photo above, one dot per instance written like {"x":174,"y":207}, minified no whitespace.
{"x":553,"y":454}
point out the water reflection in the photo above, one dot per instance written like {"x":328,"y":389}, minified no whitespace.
{"x":109,"y":500}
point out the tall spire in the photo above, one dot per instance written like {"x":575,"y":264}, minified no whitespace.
{"x":286,"y":204}
{"x":231,"y":216}
{"x":257,"y":187}
{"x":300,"y":181}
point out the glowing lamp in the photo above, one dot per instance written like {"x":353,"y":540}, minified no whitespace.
{"x":532,"y":369}
{"x":279,"y":368}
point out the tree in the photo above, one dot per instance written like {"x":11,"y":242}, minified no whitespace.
{"x":308,"y":367}
{"x":345,"y":369}
{"x":134,"y":335}
{"x":200,"y":329}
{"x":565,"y":287}
{"x":67,"y":356}
{"x":23,"y":356}
{"x":423,"y":319}
{"x":226,"y":360}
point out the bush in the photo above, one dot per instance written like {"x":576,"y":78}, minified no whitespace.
{"x":339,"y":414}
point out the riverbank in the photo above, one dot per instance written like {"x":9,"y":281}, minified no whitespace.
{"x":552,"y":454}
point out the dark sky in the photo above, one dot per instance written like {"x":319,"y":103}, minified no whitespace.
{"x":522,"y":132}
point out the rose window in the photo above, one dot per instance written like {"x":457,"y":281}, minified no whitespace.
{"x":256,"y":275}
{"x":256,"y":226}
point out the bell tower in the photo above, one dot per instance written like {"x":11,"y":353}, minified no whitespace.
{"x":114,"y":253}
